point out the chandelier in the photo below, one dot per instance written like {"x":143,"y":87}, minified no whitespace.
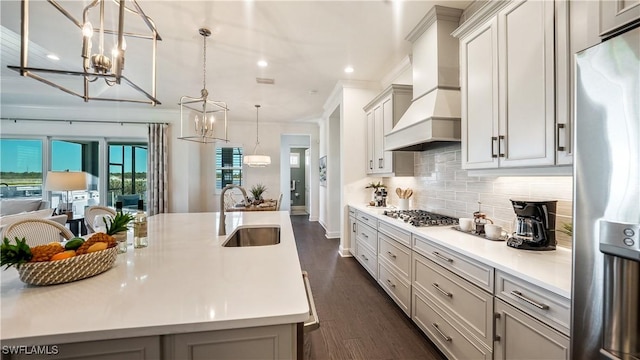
{"x":197,"y":115}
{"x":99,"y":65}
{"x":257,"y":160}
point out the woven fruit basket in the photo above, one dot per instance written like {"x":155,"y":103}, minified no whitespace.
{"x":67,"y":270}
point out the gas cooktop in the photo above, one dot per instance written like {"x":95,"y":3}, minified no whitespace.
{"x":421,"y":217}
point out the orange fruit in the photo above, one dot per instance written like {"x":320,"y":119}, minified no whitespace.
{"x":97,"y":247}
{"x":63,"y":255}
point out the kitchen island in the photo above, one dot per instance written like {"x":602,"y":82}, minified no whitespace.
{"x":184,"y":296}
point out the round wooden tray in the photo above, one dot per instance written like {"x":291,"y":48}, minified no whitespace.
{"x":67,"y":270}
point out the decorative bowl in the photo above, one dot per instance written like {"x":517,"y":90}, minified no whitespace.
{"x":67,"y":270}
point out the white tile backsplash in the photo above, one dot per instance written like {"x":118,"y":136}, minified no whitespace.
{"x":441,"y":185}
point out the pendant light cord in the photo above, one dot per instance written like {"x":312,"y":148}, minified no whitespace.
{"x":204,"y":63}
{"x":257,"y":132}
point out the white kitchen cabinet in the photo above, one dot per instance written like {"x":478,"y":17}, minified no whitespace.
{"x":508,"y":64}
{"x":394,"y":264}
{"x":352,"y":231}
{"x":382,"y":113}
{"x":615,"y":15}
{"x":520,"y":336}
{"x":137,"y":348}
{"x":366,"y":237}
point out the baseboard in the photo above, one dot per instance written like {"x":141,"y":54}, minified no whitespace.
{"x":314,"y":218}
{"x":332,"y":235}
{"x":344,"y":252}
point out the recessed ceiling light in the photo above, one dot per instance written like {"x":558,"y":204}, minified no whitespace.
{"x":263,"y":63}
{"x":348,"y":69}
{"x":53,"y":57}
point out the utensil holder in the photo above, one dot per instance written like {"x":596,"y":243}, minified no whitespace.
{"x":403,"y":204}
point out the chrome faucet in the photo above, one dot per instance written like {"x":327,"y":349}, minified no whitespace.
{"x":222,"y":225}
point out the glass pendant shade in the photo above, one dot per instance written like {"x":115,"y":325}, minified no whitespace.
{"x":203,"y":120}
{"x":257,"y":160}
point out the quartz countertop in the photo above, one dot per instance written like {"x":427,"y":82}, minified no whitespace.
{"x":184,"y":281}
{"x":550,"y":270}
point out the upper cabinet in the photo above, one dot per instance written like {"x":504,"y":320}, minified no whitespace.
{"x":382,"y":114}
{"x":615,"y":15}
{"x":514,"y":82}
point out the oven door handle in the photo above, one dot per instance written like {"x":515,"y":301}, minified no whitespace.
{"x":313,"y":322}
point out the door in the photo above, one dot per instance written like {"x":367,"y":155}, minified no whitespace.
{"x":307,"y":174}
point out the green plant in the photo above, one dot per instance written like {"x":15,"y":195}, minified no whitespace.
{"x":375,"y":186}
{"x":567,"y":228}
{"x":14,"y":255}
{"x":118,"y":224}
{"x":257,"y":190}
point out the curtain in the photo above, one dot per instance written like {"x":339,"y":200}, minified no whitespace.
{"x":157,"y":179}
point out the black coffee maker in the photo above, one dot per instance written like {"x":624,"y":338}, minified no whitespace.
{"x":535,"y":225}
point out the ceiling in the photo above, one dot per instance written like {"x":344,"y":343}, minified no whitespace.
{"x":307,"y":45}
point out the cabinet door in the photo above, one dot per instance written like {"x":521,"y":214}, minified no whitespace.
{"x":387,"y":125}
{"x":370,"y":143}
{"x":519,"y":336}
{"x":378,"y":141}
{"x":616,"y":14}
{"x":479,"y":75}
{"x":527,"y":97}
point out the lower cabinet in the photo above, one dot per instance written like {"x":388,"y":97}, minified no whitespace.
{"x":139,"y":348}
{"x":520,"y":336}
{"x":267,"y":342}
{"x":443,"y":331}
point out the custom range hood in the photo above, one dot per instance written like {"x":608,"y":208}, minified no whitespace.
{"x":434,"y":114}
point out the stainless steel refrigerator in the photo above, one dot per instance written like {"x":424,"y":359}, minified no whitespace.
{"x":605,"y":319}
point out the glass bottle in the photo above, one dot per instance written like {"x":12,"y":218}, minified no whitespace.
{"x":140,"y":227}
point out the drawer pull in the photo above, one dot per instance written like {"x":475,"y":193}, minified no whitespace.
{"x":365,"y":235}
{"x":354,"y":227}
{"x":391,"y":254}
{"x":447,"y":294}
{"x":442,"y":257}
{"x":519,"y":295}
{"x":390,"y":283}
{"x":444,"y":336}
{"x":365,"y":218}
{"x":367,"y":259}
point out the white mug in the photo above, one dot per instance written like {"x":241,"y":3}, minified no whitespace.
{"x":466,"y":224}
{"x":494,"y":232}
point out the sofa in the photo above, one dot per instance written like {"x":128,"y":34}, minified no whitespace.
{"x":17,"y":206}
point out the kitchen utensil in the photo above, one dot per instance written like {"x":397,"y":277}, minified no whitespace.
{"x":409,"y":193}
{"x":399,"y":192}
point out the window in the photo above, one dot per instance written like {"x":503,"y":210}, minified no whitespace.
{"x":228,"y":166}
{"x":127,"y":174}
{"x":77,"y":155}
{"x":20,"y":168}
{"x":294,"y":160}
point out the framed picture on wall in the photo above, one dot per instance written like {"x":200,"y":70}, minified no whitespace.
{"x":323,"y":171}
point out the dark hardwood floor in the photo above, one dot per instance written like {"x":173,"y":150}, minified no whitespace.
{"x":358,"y":320}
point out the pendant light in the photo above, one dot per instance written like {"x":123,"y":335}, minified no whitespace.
{"x":257,"y":160}
{"x":198,"y":115}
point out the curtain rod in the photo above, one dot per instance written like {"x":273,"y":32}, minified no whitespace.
{"x":15,"y":120}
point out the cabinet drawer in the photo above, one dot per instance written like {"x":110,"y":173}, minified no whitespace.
{"x":367,"y":219}
{"x":404,"y":237}
{"x":352,"y":211}
{"x":544,"y":305}
{"x":443,"y":332}
{"x":367,"y":258}
{"x":467,"y":304}
{"x":477,"y":273}
{"x":398,"y":289}
{"x":367,"y":236}
{"x":396,"y":255}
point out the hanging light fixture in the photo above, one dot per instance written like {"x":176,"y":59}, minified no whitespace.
{"x":256,"y":160}
{"x":197,"y":115}
{"x":98,"y":65}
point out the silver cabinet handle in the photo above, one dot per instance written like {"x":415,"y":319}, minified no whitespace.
{"x":391,"y":254}
{"x":447,"y":294}
{"x":365,"y":235}
{"x":519,"y":295}
{"x":559,"y":148}
{"x":444,"y":336}
{"x":365,"y":218}
{"x":353,"y":227}
{"x":364,"y":257}
{"x":390,"y":283}
{"x":502,"y":146}
{"x":494,"y":140}
{"x":380,"y":163}
{"x":371,"y":164}
{"x":497,"y":317}
{"x":442,"y":257}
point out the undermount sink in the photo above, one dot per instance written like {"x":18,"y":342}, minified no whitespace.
{"x":254,"y":236}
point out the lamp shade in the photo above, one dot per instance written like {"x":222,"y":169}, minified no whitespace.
{"x":66,"y":181}
{"x":257,"y":160}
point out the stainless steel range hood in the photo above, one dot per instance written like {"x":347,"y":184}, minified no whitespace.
{"x":434,"y":114}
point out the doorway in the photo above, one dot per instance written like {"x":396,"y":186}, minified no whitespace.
{"x":299,"y":181}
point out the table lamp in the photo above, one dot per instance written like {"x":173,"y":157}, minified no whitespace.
{"x":66,"y":181}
